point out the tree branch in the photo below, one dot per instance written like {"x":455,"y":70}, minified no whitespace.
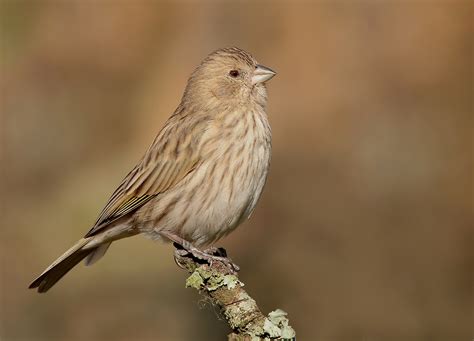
{"x":217,"y":283}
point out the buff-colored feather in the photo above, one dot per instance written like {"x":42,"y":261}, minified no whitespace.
{"x":203,"y":173}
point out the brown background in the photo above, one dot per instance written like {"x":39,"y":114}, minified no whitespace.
{"x":364,"y":231}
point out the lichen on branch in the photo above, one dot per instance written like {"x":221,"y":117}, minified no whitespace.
{"x":224,"y":289}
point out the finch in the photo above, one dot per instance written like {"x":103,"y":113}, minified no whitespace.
{"x":202,"y":175}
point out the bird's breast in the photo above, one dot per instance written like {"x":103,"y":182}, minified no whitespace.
{"x":233,"y":175}
{"x":224,"y":188}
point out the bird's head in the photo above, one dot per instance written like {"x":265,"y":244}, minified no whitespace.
{"x":228,"y":76}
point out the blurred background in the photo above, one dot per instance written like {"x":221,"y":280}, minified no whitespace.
{"x":364,"y":230}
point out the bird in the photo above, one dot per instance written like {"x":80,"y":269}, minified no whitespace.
{"x":203,"y":173}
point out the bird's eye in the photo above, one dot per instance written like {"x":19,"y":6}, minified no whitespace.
{"x":234,"y":73}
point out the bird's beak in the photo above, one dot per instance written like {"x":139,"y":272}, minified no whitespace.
{"x":262,"y":74}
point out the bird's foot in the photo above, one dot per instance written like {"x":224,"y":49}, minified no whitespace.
{"x":185,"y":248}
{"x":209,"y":255}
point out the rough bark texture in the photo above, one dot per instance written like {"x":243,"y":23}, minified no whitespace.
{"x":217,"y":283}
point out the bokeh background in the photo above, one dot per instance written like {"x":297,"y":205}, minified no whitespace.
{"x":364,"y":231}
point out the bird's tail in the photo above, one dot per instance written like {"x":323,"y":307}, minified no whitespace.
{"x":62,"y":265}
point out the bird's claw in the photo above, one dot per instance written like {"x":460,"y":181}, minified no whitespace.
{"x":209,"y":255}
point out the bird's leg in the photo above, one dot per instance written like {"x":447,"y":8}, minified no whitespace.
{"x":216,"y":251}
{"x":183,"y":248}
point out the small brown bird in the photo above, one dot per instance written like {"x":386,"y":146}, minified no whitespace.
{"x":202,"y":175}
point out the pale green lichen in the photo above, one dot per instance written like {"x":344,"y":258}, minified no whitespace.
{"x":258,"y":338}
{"x":271,"y":329}
{"x":194,"y":281}
{"x":211,"y":280}
{"x":231,"y":281}
{"x":288,"y":333}
{"x":237,"y":315}
{"x":277,"y":325}
{"x":203,"y":272}
{"x":278,"y":317}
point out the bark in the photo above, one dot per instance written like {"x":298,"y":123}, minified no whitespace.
{"x":224,"y":289}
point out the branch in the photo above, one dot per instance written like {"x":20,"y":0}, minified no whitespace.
{"x":217,"y":283}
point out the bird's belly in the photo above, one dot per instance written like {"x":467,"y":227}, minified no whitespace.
{"x":212,"y":202}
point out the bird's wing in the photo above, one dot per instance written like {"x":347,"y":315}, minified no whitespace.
{"x":169,"y":159}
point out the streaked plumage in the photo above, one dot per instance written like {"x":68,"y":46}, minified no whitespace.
{"x":203,"y":173}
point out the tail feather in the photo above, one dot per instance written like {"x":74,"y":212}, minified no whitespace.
{"x":61,"y":266}
{"x":97,"y":254}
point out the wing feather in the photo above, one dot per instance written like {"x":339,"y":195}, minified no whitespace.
{"x":160,"y":169}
